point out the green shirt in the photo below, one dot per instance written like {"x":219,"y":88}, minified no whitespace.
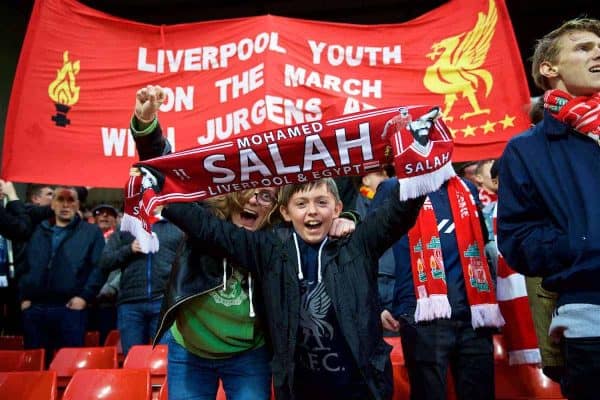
{"x":218,"y":324}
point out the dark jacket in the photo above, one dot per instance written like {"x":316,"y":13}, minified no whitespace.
{"x":197,"y":269}
{"x":15,"y":223}
{"x":350,"y":276}
{"x":143,"y":276}
{"x":72,"y":271}
{"x":548,"y":213}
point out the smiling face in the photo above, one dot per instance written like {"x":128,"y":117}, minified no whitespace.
{"x":105,"y":219}
{"x":255,"y":209}
{"x":311,"y":212}
{"x":576,"y":69}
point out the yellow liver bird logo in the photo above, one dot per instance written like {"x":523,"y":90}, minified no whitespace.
{"x":457,"y":69}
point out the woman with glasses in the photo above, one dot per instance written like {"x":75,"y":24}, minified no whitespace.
{"x":211,"y":315}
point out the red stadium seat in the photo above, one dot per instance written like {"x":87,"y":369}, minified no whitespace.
{"x":22,"y":360}
{"x":500,"y":354}
{"x":163,"y":393}
{"x":396,"y":355}
{"x":11,"y":342}
{"x":70,"y":359}
{"x":114,"y":339}
{"x":92,"y":339}
{"x":28,"y":385}
{"x":524,"y":382}
{"x":109,"y":384}
{"x":145,"y":356}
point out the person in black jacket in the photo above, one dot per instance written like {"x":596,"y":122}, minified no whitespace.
{"x":61,"y":276}
{"x":320,"y":294}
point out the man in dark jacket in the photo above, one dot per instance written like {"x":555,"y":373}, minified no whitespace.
{"x":143,"y":280}
{"x":61,"y":276}
{"x":548,"y":214}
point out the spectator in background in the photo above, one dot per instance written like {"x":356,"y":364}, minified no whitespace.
{"x":61,"y":277}
{"x":488,"y":190}
{"x":143,"y":280}
{"x":467,"y":171}
{"x":548,"y":214}
{"x":103,"y":313}
{"x":444,"y":305}
{"x":366,"y":190}
{"x":40,"y":194}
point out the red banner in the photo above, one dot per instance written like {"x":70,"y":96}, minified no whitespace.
{"x":79,"y":70}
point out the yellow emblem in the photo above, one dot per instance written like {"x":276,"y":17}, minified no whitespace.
{"x":457,"y":68}
{"x":63,"y":90}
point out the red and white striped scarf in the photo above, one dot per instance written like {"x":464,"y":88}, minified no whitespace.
{"x":427,"y":262}
{"x":581,"y":113}
{"x":519,"y":331}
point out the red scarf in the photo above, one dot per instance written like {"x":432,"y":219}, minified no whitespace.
{"x":581,"y":113}
{"x":354,"y":144}
{"x":486,"y":197}
{"x":519,"y":331}
{"x":427,"y":262}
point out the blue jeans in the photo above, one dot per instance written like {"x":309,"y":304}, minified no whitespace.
{"x":431,"y":347}
{"x":53,"y":326}
{"x":137,"y":322}
{"x":245,"y":376}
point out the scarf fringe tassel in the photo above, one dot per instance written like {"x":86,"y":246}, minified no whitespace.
{"x":421,"y":185}
{"x":486,"y":315}
{"x":148,"y":242}
{"x":432,"y":307}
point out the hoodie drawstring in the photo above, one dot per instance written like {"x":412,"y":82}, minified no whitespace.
{"x":319,"y":260}
{"x":300,"y":275}
{"x":224,"y":274}
{"x":251,"y":314}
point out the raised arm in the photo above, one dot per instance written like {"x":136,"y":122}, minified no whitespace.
{"x":146,"y":130}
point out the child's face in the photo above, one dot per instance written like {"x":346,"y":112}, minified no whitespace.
{"x":312,"y":212}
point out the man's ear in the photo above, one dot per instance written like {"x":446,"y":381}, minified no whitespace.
{"x":548,"y":70}
{"x":284,"y":213}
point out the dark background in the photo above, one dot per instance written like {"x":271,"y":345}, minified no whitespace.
{"x":531,"y":19}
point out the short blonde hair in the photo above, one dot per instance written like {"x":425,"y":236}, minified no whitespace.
{"x":225,"y":205}
{"x":547,"y":48}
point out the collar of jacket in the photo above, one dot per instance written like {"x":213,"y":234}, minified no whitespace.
{"x":553,"y":127}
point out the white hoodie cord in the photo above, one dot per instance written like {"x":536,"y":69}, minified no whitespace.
{"x":319,"y":260}
{"x":224,"y":274}
{"x":300,"y":275}
{"x":251,"y":314}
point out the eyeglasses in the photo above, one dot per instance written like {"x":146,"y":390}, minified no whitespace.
{"x":264,"y":198}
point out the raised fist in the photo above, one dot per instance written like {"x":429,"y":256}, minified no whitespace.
{"x":147,"y":102}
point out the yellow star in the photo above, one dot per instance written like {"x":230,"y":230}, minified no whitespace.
{"x":507,"y":121}
{"x":488,"y":126}
{"x":469,"y":130}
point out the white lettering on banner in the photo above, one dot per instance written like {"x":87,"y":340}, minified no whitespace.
{"x":178,"y":99}
{"x":207,"y":57}
{"x":315,"y":150}
{"x":353,"y":56}
{"x":276,"y":109}
{"x":241,"y":84}
{"x":114,"y":141}
{"x":297,"y":76}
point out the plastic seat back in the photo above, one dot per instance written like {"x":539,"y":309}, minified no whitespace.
{"x":28,"y":385}
{"x":145,"y":356}
{"x":92,"y":339}
{"x":70,"y":359}
{"x":14,"y":342}
{"x":22,"y":360}
{"x":397,"y":355}
{"x":114,"y":339}
{"x":524,"y":382}
{"x":109,"y":384}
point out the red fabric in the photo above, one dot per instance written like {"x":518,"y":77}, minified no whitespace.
{"x":486,"y":197}
{"x":430,"y":278}
{"x":581,"y":113}
{"x":265,"y":72}
{"x":519,"y":331}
